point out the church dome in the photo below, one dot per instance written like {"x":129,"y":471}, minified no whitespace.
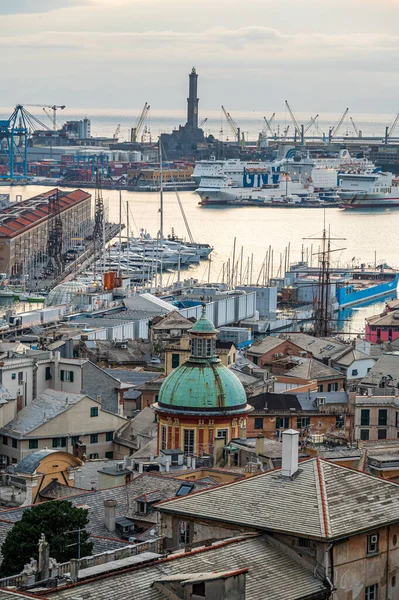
{"x":203,"y":387}
{"x":202,"y":384}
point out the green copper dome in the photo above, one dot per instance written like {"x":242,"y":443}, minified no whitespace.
{"x":203,"y":325}
{"x":203,"y":385}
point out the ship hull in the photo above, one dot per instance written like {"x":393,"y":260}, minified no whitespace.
{"x":358,"y":296}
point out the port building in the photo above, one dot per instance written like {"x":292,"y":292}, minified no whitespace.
{"x":24,"y":226}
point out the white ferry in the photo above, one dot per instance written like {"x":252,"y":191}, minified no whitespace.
{"x":368,"y":189}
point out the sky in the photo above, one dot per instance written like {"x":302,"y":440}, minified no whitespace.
{"x":321,"y":55}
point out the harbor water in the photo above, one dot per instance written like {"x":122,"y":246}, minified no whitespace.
{"x":369,"y":235}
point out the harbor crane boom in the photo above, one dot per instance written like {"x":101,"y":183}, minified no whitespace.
{"x":334,"y":130}
{"x":117,"y":130}
{"x":391,"y":129}
{"x":297,"y":128}
{"x":203,"y":122}
{"x":233,"y":125}
{"x":354,"y":127}
{"x":54,"y":108}
{"x":135,"y":131}
{"x":311,"y":122}
{"x":268,"y":125}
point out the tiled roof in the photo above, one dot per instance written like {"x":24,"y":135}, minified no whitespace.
{"x":310,"y":368}
{"x":322,"y":501}
{"x":55,"y":490}
{"x":318,"y":347}
{"x":265,"y":345}
{"x":272,"y":574}
{"x":35,"y":211}
{"x":47,"y":406}
{"x":124,"y":495}
{"x":386,"y":366}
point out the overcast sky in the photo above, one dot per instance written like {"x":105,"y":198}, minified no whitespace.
{"x":321,"y":55}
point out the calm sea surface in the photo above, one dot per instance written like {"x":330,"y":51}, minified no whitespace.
{"x":368,"y":235}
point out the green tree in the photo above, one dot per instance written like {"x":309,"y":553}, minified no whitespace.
{"x":53,"y":519}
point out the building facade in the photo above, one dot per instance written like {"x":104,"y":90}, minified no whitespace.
{"x":376,"y":417}
{"x":24,"y":227}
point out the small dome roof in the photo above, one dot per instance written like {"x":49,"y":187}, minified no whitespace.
{"x":202,"y":386}
{"x":64,"y":293}
{"x":203,"y":325}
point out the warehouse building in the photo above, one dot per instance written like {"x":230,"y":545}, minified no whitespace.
{"x":24,"y":226}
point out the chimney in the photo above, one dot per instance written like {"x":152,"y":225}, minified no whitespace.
{"x":109,"y":514}
{"x":290,"y":452}
{"x":260,"y":444}
{"x":193,"y":459}
{"x":243,"y":432}
{"x":369,"y":392}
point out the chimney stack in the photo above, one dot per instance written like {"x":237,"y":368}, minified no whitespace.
{"x":260,"y":444}
{"x":110,"y":514}
{"x":290,"y":452}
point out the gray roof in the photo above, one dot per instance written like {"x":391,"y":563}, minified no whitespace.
{"x":386,"y":366}
{"x":132,"y":376}
{"x":310,"y":368}
{"x":30,"y":463}
{"x":124,"y":495}
{"x":318,"y":347}
{"x":143,"y":424}
{"x":86,"y":476}
{"x":323,"y":501}
{"x":265,"y":345}
{"x":49,"y":405}
{"x":265,"y":563}
{"x":346,"y":358}
{"x":307,"y":399}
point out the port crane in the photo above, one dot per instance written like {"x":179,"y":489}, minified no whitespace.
{"x":311,"y":122}
{"x":117,"y":130}
{"x":354,"y":127}
{"x":135,"y":131}
{"x":389,"y":130}
{"x":268,"y":125}
{"x":234,"y":128}
{"x":333,"y":132}
{"x":298,"y":129}
{"x":203,"y":122}
{"x":53,"y":108}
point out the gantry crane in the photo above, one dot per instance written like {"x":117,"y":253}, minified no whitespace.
{"x":135,"y":131}
{"x":334,"y":130}
{"x":54,"y":108}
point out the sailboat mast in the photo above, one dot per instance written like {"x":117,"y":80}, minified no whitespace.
{"x":160,"y":209}
{"x":120,"y":233}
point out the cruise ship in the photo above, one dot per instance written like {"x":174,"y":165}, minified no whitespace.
{"x":367,"y":189}
{"x":223,"y":181}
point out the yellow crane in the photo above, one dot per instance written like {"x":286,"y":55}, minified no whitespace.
{"x":135,"y":131}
